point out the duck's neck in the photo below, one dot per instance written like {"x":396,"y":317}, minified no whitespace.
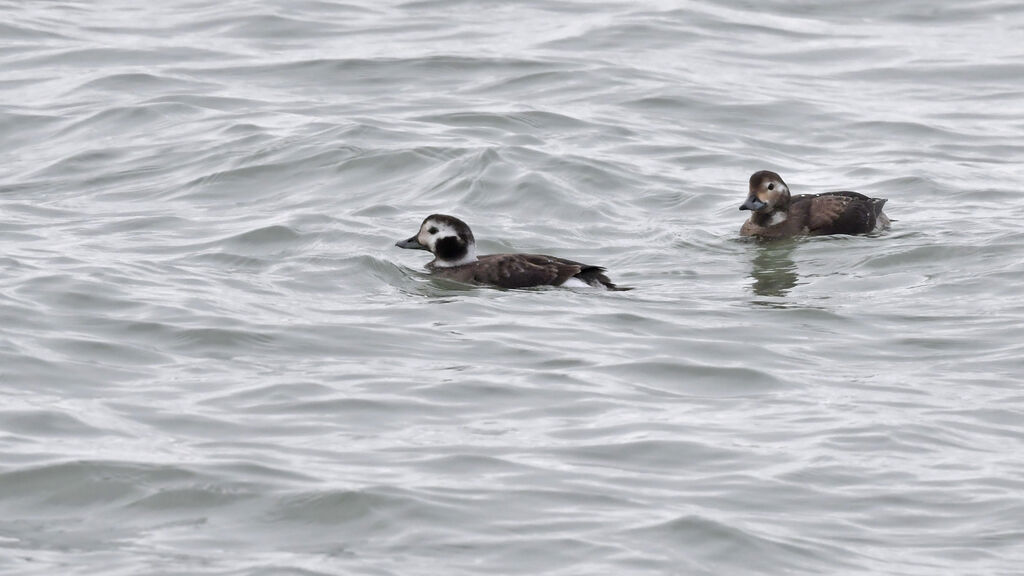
{"x":768,"y":219}
{"x":467,"y":257}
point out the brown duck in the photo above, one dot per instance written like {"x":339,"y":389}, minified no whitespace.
{"x":451,"y":242}
{"x":776,"y":214}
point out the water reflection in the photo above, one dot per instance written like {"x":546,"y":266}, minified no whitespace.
{"x":774,"y":272}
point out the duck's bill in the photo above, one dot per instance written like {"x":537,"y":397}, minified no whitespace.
{"x":411,"y":243}
{"x":753,"y":203}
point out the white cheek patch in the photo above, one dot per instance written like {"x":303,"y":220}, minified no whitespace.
{"x":428,"y":239}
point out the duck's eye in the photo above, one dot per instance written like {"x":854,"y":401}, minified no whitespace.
{"x":433,"y":230}
{"x":771,"y":186}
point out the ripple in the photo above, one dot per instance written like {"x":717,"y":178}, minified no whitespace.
{"x":213,"y":357}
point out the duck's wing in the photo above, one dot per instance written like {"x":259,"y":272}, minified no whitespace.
{"x":524,"y":270}
{"x":843,"y":213}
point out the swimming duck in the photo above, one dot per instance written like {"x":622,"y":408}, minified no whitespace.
{"x":776,"y":214}
{"x":451,"y":242}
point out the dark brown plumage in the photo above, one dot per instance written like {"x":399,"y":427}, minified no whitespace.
{"x":523,"y":271}
{"x":454,"y":248}
{"x":776,"y":214}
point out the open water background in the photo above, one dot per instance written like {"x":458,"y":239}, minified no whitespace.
{"x":213,"y":360}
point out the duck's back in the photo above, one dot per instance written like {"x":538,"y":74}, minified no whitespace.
{"x":525,"y":271}
{"x":838,"y":212}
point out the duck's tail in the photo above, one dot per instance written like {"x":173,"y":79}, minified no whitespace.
{"x":594,"y":275}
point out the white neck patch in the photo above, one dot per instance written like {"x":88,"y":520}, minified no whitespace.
{"x":777,"y":218}
{"x":469,"y":258}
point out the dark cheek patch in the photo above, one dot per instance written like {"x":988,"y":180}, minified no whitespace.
{"x":450,"y":248}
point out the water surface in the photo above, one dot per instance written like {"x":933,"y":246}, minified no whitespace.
{"x":213,"y":360}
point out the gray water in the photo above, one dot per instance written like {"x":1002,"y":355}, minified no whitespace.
{"x":213,"y":360}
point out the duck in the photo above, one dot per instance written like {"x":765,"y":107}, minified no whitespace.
{"x":776,"y":214}
{"x":455,"y":258}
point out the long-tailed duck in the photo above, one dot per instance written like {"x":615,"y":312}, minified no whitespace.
{"x":776,"y":214}
{"x":451,"y":242}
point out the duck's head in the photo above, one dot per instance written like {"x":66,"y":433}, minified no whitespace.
{"x":449,"y":239}
{"x":768,"y":193}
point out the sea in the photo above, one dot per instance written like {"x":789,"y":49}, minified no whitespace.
{"x":215,"y":361}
